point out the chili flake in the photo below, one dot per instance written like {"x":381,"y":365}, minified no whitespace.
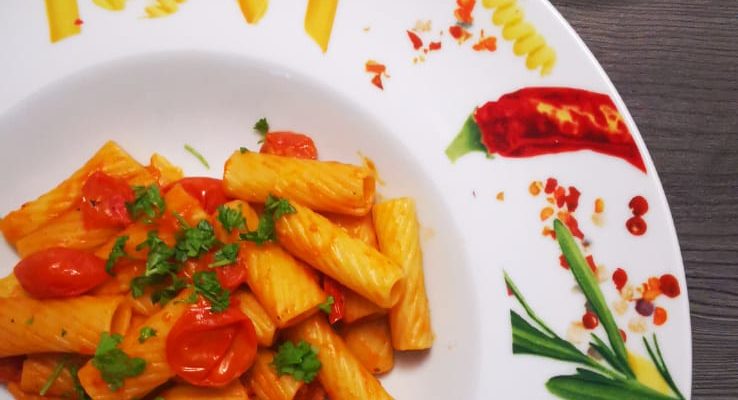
{"x":546,"y":213}
{"x":644,"y":307}
{"x":78,"y":22}
{"x":563,"y":262}
{"x":636,"y":225}
{"x":669,"y":285}
{"x":415,"y":40}
{"x":590,"y":320}
{"x":500,"y":196}
{"x":638,"y":205}
{"x":378,"y":70}
{"x":572,"y":199}
{"x":535,"y":188}
{"x":599,"y":206}
{"x":459,"y":33}
{"x":485,"y":43}
{"x":551,"y":184}
{"x":464,"y":10}
{"x":619,"y":278}
{"x":659,"y":316}
{"x":433,"y":46}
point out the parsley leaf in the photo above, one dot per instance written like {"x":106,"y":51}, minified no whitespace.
{"x":193,"y":242}
{"x":274,"y":208}
{"x":243,"y":150}
{"x":231,"y":218}
{"x":166,"y":294}
{"x":225,"y":256}
{"x":326,"y":305}
{"x":53,"y":377}
{"x":79,"y":391}
{"x":262,"y":126}
{"x":207,"y":285}
{"x":157,"y":261}
{"x":116,"y":253}
{"x":197,"y":155}
{"x":145,"y":333}
{"x":148,"y":203}
{"x":300,"y":361}
{"x":115,"y":365}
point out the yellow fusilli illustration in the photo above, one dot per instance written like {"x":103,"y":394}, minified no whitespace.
{"x":528,"y":42}
{"x":163,"y":8}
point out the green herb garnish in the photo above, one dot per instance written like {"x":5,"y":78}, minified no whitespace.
{"x":145,"y":333}
{"x":327,"y":304}
{"x":231,"y":218}
{"x":197,"y":155}
{"x":300,"y":361}
{"x":274,"y":208}
{"x":225,"y":256}
{"x":115,"y":365}
{"x":53,"y":377}
{"x":116,"y":253}
{"x":206,"y":284}
{"x":193,"y":242}
{"x":262,"y":126}
{"x":148,"y":204}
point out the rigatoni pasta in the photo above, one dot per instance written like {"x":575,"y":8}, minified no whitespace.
{"x":266,"y":384}
{"x":370,"y":342}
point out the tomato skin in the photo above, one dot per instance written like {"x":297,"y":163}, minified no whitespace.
{"x":104,"y":199}
{"x":60,"y":272}
{"x":211,"y":349}
{"x":229,"y":276}
{"x":289,"y":144}
{"x":333,"y":288}
{"x":208,"y":191}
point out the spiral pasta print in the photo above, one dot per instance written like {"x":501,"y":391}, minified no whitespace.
{"x":528,"y":42}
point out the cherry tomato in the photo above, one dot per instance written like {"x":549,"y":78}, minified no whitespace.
{"x":60,"y":272}
{"x":333,"y":288}
{"x":104,"y":199}
{"x":209,"y":191}
{"x":289,"y":144}
{"x":229,"y":276}
{"x":211,"y":349}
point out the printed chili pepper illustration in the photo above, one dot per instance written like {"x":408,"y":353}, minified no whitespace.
{"x":546,"y":120}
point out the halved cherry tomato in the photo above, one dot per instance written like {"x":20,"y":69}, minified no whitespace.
{"x":104,"y":199}
{"x":211,"y":349}
{"x":60,"y":272}
{"x":209,"y":191}
{"x":289,"y":144}
{"x":333,"y":288}
{"x":229,"y":276}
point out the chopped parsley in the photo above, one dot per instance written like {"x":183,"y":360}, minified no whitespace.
{"x":116,"y":253}
{"x":197,"y":155}
{"x":207,"y":285}
{"x":326,"y":305}
{"x":274,"y":208}
{"x":79,"y":391}
{"x":225,"y":256}
{"x":193,"y":242}
{"x":231,"y":218}
{"x":157,"y":261}
{"x":145,"y":333}
{"x":165,"y":294}
{"x":53,"y":377}
{"x":243,"y":150}
{"x":148,"y":203}
{"x":300,"y":361}
{"x":262,"y":126}
{"x":115,"y":365}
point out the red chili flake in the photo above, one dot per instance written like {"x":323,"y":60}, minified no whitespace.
{"x":551,"y":184}
{"x":590,"y":320}
{"x":488,"y":43}
{"x":415,"y":39}
{"x":549,"y":232}
{"x":644,"y":307}
{"x":659,"y":316}
{"x":591,"y":262}
{"x":464,"y":10}
{"x":572,"y":199}
{"x":78,"y":22}
{"x":638,"y":205}
{"x":375,"y":67}
{"x":651,"y":288}
{"x":433,"y":46}
{"x":636,"y":225}
{"x":623,"y":335}
{"x":377,"y":81}
{"x":669,"y":285}
{"x":573,"y":226}
{"x":560,"y":196}
{"x":620,"y":278}
{"x":460,"y":34}
{"x":563,"y":262}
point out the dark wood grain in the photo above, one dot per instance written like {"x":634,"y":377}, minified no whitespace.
{"x":675,"y":62}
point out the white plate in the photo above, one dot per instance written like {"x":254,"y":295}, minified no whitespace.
{"x":203,"y":76}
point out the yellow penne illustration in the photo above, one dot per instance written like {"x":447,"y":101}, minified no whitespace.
{"x":263,"y":324}
{"x":253,"y":10}
{"x":370,"y":342}
{"x":284,"y":287}
{"x":264,"y":382}
{"x":72,"y":325}
{"x":341,"y":373}
{"x":37,"y":369}
{"x":153,"y":351}
{"x":111,"y":159}
{"x":398,"y":234}
{"x":319,"y":185}
{"x":319,"y":18}
{"x":350,"y":261}
{"x":112,"y":5}
{"x":63,"y":16}
{"x":163,"y":8}
{"x":181,"y":391}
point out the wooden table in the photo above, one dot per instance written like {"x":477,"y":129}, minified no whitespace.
{"x":675,"y":62}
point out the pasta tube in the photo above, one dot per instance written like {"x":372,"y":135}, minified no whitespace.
{"x":68,"y":230}
{"x":341,"y":374}
{"x":350,"y":261}
{"x":72,"y":325}
{"x":263,"y":324}
{"x":370,"y":342}
{"x":399,"y":238}
{"x":163,"y":170}
{"x":232,"y":391}
{"x":319,"y":185}
{"x":263,"y":380}
{"x":39,"y":367}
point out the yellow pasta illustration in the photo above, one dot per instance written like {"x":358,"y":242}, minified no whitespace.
{"x":263,"y":324}
{"x":399,"y":238}
{"x":112,"y":5}
{"x":253,"y":10}
{"x":284,"y":286}
{"x":319,"y":185}
{"x":111,"y":159}
{"x":371,"y":343}
{"x":341,"y":374}
{"x":528,"y":42}
{"x":319,"y":18}
{"x":38,"y":367}
{"x":232,"y":391}
{"x":266,"y":384}
{"x":72,"y":325}
{"x":350,"y":261}
{"x":63,"y":16}
{"x":163,"y":8}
